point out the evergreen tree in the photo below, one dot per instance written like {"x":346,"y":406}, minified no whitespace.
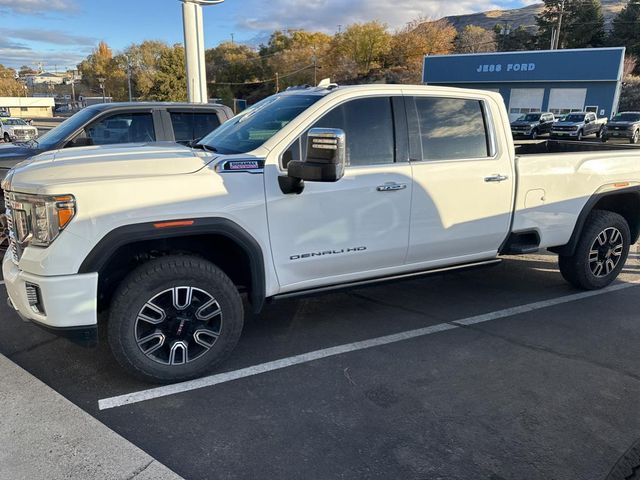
{"x":582,"y":23}
{"x":626,"y":30}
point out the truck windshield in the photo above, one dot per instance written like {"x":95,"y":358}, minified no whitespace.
{"x":574,"y":118}
{"x":14,"y":121}
{"x":54,"y":136}
{"x":627,"y":117}
{"x":531,"y":117}
{"x":257,"y":124}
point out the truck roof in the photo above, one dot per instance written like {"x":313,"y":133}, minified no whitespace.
{"x":108,"y":106}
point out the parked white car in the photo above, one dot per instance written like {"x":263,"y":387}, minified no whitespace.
{"x":16,"y":130}
{"x":310,"y":190}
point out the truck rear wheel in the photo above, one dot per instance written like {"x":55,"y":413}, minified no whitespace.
{"x":174,"y":318}
{"x":601,"y":252}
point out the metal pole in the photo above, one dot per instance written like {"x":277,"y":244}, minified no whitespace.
{"x":557,"y":37}
{"x":129,"y":79}
{"x":194,"y":49}
{"x":277,"y":82}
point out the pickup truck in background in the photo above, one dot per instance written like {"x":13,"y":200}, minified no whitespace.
{"x":624,"y":125}
{"x":16,"y":130}
{"x":532,"y":125}
{"x":109,"y":123}
{"x":578,"y":125}
{"x":308,"y":191}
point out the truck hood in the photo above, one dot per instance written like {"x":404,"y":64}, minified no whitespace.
{"x":524,"y":124}
{"x":622,"y":124}
{"x":12,"y":154}
{"x":88,"y":164}
{"x":567,"y":124}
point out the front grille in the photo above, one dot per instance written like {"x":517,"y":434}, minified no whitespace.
{"x":14,"y":248}
{"x":564,"y":129}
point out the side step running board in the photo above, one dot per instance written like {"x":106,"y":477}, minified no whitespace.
{"x":379,"y":280}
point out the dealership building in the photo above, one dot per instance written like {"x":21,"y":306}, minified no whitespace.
{"x":557,"y":81}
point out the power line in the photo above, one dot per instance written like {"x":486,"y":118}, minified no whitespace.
{"x":269,"y":80}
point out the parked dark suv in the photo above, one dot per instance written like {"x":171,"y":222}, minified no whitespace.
{"x":532,"y":124}
{"x":109,"y":123}
{"x":624,"y":125}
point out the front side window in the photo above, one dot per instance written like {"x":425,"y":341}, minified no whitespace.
{"x":189,"y":126}
{"x":368,"y":127}
{"x":451,"y":128}
{"x":122,"y":128}
{"x":257,"y":124}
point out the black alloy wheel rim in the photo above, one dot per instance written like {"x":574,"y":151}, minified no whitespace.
{"x":178,"y":325}
{"x":605,"y":252}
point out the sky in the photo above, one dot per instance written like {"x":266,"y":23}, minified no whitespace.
{"x":60,"y":33}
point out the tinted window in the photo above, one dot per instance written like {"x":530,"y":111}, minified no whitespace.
{"x":122,"y":128}
{"x":189,"y":126}
{"x":451,"y":128}
{"x":574,"y":118}
{"x":368,"y":127}
{"x":532,"y":117}
{"x":257,"y":124}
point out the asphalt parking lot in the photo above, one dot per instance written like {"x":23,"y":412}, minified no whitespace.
{"x":509,"y":374}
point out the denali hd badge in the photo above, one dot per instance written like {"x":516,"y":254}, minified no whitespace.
{"x":322,"y":253}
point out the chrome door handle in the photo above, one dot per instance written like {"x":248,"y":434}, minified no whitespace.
{"x":391,"y":187}
{"x":495,"y":178}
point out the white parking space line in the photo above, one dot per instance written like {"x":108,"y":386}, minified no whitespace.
{"x":217,"y":379}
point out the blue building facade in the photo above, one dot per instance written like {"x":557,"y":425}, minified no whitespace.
{"x":558,"y":81}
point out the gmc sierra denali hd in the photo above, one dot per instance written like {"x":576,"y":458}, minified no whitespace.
{"x":309,"y":190}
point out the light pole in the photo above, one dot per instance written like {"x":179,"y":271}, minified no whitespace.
{"x":194,"y":49}
{"x":129,"y":76}
{"x":101,"y":80}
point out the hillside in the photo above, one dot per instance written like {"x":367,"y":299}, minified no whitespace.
{"x":524,"y":16}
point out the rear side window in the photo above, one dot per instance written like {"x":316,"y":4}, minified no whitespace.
{"x":189,"y":126}
{"x":451,"y":128}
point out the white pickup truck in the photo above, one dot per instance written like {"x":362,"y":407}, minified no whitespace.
{"x":310,"y":190}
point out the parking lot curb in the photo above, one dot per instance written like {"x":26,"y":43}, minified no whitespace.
{"x":45,"y":436}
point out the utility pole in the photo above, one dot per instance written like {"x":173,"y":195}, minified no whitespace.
{"x":194,"y":49}
{"x":129,"y":77}
{"x":555,"y":38}
{"x":232,"y":38}
{"x":102,"y":80}
{"x":277,"y":82}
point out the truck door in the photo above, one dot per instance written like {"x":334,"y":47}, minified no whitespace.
{"x":357,"y":226}
{"x":463,"y":180}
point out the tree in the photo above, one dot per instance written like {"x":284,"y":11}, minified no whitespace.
{"x":582,"y":23}
{"x":511,"y":40}
{"x":626,"y":29}
{"x":101,"y":64}
{"x":26,"y":70}
{"x":301,"y":61}
{"x":418,"y":38}
{"x":170,"y":81}
{"x":474,"y":39}
{"x":232,"y":63}
{"x":9,"y":86}
{"x":360,"y":48}
{"x":143,"y":59}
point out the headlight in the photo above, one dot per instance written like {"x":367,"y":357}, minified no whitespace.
{"x":39,"y":219}
{"x":574,"y":128}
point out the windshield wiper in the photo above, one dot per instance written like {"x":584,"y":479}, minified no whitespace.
{"x":204,"y":147}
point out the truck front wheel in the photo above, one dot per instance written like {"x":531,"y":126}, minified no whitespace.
{"x":601,"y":251}
{"x":174,"y":318}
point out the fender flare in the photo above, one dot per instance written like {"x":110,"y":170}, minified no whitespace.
{"x":570,"y":247}
{"x":127,"y":234}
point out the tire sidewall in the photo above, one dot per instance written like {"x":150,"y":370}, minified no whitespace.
{"x":599,"y":221}
{"x":129,"y":299}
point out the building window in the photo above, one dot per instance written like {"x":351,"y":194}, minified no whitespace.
{"x":24,"y":109}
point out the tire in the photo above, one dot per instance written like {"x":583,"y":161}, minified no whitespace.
{"x":534,"y":134}
{"x":599,"y":133}
{"x":581,"y":269}
{"x":187,"y":309}
{"x":635,"y":137}
{"x":579,"y":137}
{"x":7,"y":138}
